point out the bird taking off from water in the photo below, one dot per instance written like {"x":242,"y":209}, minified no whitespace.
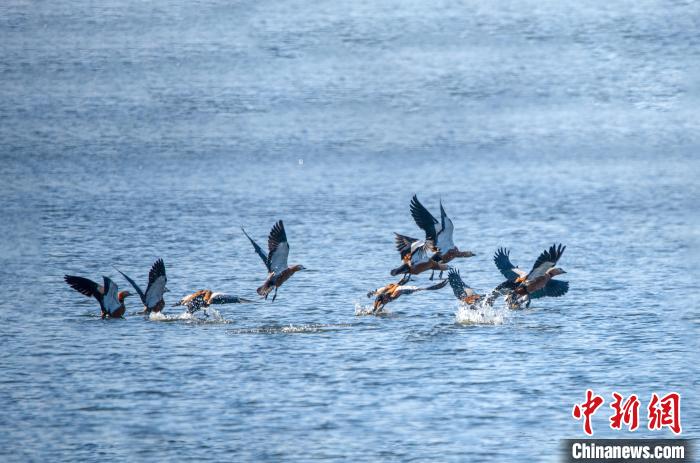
{"x":521,"y":287}
{"x":108,"y":295}
{"x":205,"y":297}
{"x":153,"y":297}
{"x":275,"y":260}
{"x":393,"y":291}
{"x":461,"y":290}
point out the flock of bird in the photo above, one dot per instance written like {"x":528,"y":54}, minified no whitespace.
{"x":433,"y":253}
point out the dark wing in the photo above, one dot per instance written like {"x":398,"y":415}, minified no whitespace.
{"x":412,"y":289}
{"x":133,"y":283}
{"x":503,"y":263}
{"x":258,"y":250}
{"x":278,"y":248}
{"x":456,"y":283}
{"x":403,"y":244}
{"x":555,"y":288}
{"x":424,"y":219}
{"x":436,"y":286}
{"x":443,"y":216}
{"x":222,"y":298}
{"x":506,"y":286}
{"x":546,"y":260}
{"x":84,"y":286}
{"x":157,"y":271}
{"x":156,"y":283}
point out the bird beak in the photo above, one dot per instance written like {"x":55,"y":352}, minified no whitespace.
{"x":166,"y":290}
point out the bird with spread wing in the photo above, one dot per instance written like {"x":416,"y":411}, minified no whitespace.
{"x":521,"y":287}
{"x":108,"y":295}
{"x":461,"y":290}
{"x":205,"y":297}
{"x":152,"y":298}
{"x":393,"y":291}
{"x":436,"y":250}
{"x":275,"y":260}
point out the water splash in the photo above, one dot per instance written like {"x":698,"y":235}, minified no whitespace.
{"x":208,"y":315}
{"x":363,"y":310}
{"x":481,"y":314}
{"x":292,"y":329}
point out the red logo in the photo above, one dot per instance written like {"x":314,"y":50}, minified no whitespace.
{"x":625,"y":413}
{"x":664,"y":412}
{"x":587,"y":409}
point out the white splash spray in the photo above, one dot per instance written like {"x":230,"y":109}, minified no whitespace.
{"x":481,"y":314}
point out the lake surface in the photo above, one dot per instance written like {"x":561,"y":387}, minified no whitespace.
{"x":136,"y":130}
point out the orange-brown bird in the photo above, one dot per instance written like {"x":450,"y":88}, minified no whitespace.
{"x":206,"y":297}
{"x":393,"y":291}
{"x":522,"y":287}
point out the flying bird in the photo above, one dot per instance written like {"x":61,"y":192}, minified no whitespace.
{"x":438,"y":244}
{"x":205,"y":297}
{"x":521,"y":286}
{"x":417,"y":256}
{"x":275,"y":260}
{"x":108,"y":295}
{"x":152,"y":298}
{"x":393,"y":291}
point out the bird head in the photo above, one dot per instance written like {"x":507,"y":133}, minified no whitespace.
{"x":123,"y":295}
{"x":555,"y":271}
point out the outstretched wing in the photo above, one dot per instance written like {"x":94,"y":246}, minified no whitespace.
{"x":84,"y":286}
{"x":403,"y":244}
{"x":424,"y":219}
{"x":503,"y":263}
{"x":258,"y":250}
{"x":135,"y":286}
{"x":439,"y":285}
{"x":413,"y":289}
{"x":444,"y":236}
{"x":156,"y":283}
{"x":546,"y":260}
{"x":110,"y":302}
{"x":222,"y":298}
{"x":555,"y":288}
{"x":456,"y":283}
{"x":278,"y":248}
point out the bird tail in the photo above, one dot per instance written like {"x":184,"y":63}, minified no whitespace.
{"x":404,"y":268}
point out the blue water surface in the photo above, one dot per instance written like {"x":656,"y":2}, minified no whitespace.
{"x":134,"y":130}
